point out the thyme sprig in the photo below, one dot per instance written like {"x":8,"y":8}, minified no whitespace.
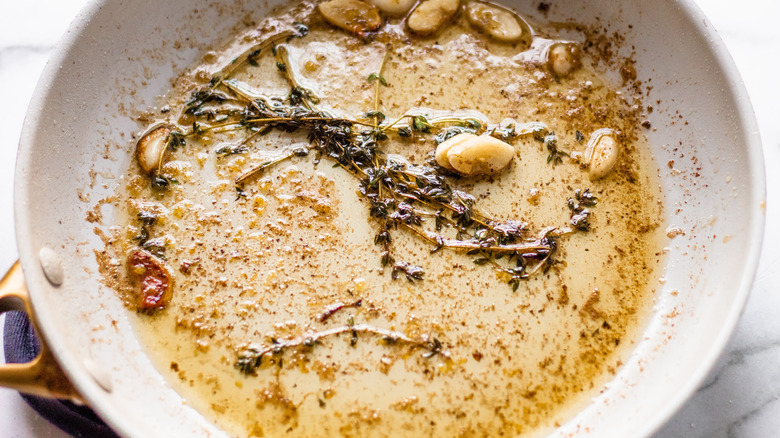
{"x":556,"y":156}
{"x":252,"y":357}
{"x":580,"y":214}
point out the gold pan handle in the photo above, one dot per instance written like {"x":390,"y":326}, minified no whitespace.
{"x":42,"y":376}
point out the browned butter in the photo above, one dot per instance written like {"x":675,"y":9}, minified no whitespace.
{"x":265,"y":265}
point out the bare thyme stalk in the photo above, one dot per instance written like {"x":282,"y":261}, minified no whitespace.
{"x":251,"y":358}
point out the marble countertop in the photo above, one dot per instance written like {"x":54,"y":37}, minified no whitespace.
{"x":740,"y":397}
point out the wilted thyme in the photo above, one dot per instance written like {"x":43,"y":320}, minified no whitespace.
{"x":417,"y":198}
{"x":580,"y":215}
{"x":556,"y":156}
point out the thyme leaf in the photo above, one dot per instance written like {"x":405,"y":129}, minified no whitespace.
{"x":160,"y":182}
{"x":377,"y":77}
{"x":453,"y":131}
{"x":420,"y":124}
{"x":376,"y":115}
{"x":231,"y":149}
{"x":412,"y":272}
{"x":301,"y":30}
{"x":240,"y":193}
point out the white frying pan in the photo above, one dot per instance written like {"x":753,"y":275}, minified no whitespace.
{"x":119,"y":55}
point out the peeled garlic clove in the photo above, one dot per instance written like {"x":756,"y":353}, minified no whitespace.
{"x":499,"y":23}
{"x":151,"y":147}
{"x":563,"y":58}
{"x":602,"y":152}
{"x":444,"y":147}
{"x":393,"y":7}
{"x":480,"y":155}
{"x":430,"y":15}
{"x":353,"y":16}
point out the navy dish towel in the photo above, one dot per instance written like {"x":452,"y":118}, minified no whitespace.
{"x":21,"y":346}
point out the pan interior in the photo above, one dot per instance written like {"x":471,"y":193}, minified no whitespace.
{"x":72,"y":153}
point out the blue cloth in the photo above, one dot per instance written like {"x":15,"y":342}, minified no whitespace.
{"x":21,"y":346}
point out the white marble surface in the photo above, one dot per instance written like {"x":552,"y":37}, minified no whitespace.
{"x":740,"y":398}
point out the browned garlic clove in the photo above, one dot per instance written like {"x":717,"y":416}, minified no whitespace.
{"x":469,"y":154}
{"x":153,"y":280}
{"x":563,"y":58}
{"x":499,"y":23}
{"x":602,"y":152}
{"x":430,"y":15}
{"x":151,"y":148}
{"x":354,"y":16}
{"x":393,"y":8}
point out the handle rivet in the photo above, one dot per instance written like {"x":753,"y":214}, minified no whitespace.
{"x":52,"y":266}
{"x":99,"y":375}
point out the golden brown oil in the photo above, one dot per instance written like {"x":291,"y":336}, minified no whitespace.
{"x":267,"y":264}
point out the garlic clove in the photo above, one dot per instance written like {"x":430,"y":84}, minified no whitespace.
{"x":499,"y":23}
{"x":602,"y":153}
{"x":153,"y":278}
{"x":428,"y":17}
{"x":151,"y":148}
{"x":395,"y":8}
{"x":480,"y":155}
{"x":354,"y":16}
{"x":444,"y":147}
{"x":563,"y":58}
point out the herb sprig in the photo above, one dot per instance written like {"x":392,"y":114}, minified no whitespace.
{"x":253,"y":356}
{"x":580,"y":214}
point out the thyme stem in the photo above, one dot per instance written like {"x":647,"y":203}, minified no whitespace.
{"x":241,"y":59}
{"x":436,"y":239}
{"x":478,"y":217}
{"x":308,"y":97}
{"x":230,"y":85}
{"x":252,"y":356}
{"x":261,"y":167}
{"x":378,"y":82}
{"x":200,"y":130}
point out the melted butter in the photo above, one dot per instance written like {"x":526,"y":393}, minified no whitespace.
{"x":266,"y":266}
